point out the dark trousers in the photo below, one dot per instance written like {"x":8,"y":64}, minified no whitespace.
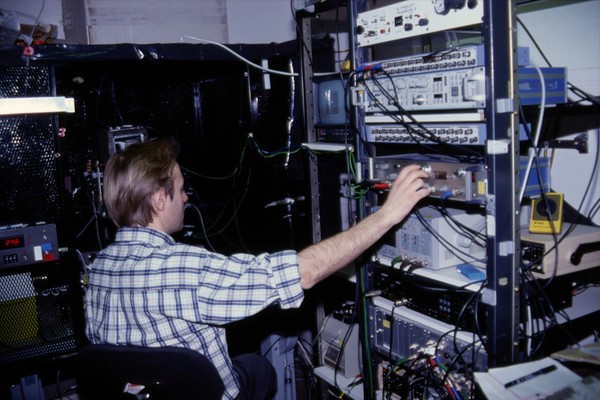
{"x":257,"y":377}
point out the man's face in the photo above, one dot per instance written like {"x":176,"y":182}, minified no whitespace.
{"x":175,"y":208}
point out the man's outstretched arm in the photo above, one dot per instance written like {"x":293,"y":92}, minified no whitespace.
{"x":320,"y":260}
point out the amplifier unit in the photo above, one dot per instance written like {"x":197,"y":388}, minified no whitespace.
{"x":456,"y":307}
{"x":432,"y":240}
{"x":447,"y":179}
{"x":443,"y":90}
{"x":401,"y":332}
{"x":340,"y":348}
{"x":578,"y":249}
{"x":415,"y":17}
{"x":454,"y":133}
{"x":334,"y":134}
{"x":530,"y":86}
{"x":24,"y":245}
{"x":452,"y":89}
{"x":454,"y":58}
{"x":458,"y":133}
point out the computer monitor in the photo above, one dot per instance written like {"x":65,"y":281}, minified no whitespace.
{"x":331,"y":101}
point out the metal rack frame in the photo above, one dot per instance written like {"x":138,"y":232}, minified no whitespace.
{"x":501,"y":158}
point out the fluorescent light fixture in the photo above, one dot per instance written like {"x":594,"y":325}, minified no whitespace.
{"x":334,"y":147}
{"x":36,"y":105}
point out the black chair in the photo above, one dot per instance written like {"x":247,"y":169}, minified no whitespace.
{"x":168,"y":373}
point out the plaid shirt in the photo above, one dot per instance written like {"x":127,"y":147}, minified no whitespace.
{"x":148,"y":290}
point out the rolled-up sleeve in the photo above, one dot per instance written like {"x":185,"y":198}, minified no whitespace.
{"x":286,"y":276}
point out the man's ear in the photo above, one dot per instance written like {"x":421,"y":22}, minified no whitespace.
{"x":159,"y":199}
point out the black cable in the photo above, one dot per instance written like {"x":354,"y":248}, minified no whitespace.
{"x":459,"y":227}
{"x":343,"y":347}
{"x":390,"y":352}
{"x":535,"y":43}
{"x":199,"y":213}
{"x":545,"y":199}
{"x":463,"y":309}
{"x":309,"y":369}
{"x":361,"y":274}
{"x":398,"y":115}
{"x":299,"y":33}
{"x":594,"y":209}
{"x":443,"y":241}
{"x":545,"y":310}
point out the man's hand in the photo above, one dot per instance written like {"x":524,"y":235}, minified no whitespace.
{"x":405,"y":193}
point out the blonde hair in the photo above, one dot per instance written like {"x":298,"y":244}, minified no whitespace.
{"x":133,"y":175}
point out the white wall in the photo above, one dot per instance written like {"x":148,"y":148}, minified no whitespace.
{"x":165,"y":21}
{"x":155,"y":21}
{"x":569,"y":35}
{"x":260,"y":21}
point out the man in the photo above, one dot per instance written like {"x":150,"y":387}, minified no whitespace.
{"x":147,"y":290}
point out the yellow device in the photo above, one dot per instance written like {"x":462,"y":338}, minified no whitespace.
{"x":546,"y":219}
